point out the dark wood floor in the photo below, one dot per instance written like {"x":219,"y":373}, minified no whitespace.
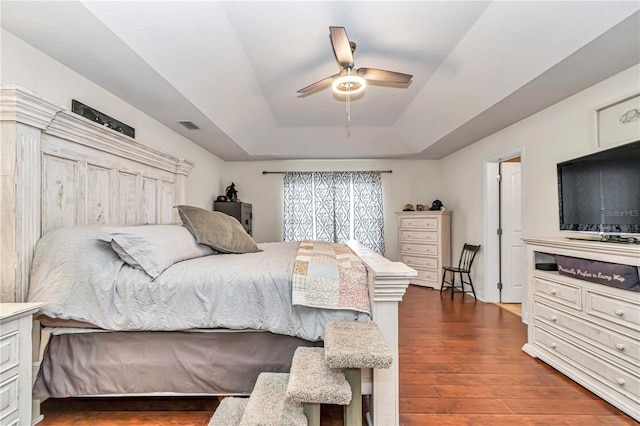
{"x":461,"y":363}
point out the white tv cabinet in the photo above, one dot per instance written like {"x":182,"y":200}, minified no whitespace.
{"x":589,"y":332}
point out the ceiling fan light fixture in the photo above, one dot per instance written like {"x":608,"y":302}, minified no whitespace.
{"x":349,"y":84}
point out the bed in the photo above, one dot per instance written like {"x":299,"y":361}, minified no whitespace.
{"x":60,"y":172}
{"x":174,"y":314}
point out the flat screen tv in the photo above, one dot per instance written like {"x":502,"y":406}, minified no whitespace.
{"x":600,"y":193}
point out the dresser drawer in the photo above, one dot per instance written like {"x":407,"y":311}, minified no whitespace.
{"x":617,"y":310}
{"x":430,"y":236}
{"x":9,"y":355}
{"x":419,"y":222}
{"x":564,"y":294}
{"x":615,"y":343}
{"x":8,"y":328}
{"x":601,"y":369}
{"x":423,"y":262}
{"x":428,"y":276}
{"x":9,"y":400}
{"x":423,"y":249}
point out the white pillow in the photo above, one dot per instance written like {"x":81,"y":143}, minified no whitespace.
{"x":122,"y":253}
{"x":154,"y":248}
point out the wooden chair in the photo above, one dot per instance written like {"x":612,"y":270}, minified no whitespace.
{"x":464,"y":267}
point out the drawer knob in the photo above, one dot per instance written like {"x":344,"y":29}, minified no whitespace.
{"x":554,"y":318}
{"x":408,"y":248}
{"x":620,"y":346}
{"x":553,"y":345}
{"x":620,"y":381}
{"x":553,"y":291}
{"x":619,"y":312}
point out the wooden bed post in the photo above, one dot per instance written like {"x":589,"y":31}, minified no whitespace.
{"x":23,"y":117}
{"x":388,"y":282}
{"x":183,"y":168}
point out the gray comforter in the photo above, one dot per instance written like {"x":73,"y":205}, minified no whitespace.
{"x":80,"y":277}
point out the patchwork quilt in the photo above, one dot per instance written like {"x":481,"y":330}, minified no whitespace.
{"x":330,"y":276}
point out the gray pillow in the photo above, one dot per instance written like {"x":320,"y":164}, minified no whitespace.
{"x":217,"y":230}
{"x":153,"y":248}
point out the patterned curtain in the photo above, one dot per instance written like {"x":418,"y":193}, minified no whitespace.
{"x":324,"y":206}
{"x":298,"y":206}
{"x":368,"y":220}
{"x":342,"y":210}
{"x":334,"y":206}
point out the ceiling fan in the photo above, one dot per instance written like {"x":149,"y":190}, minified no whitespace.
{"x":350,"y":81}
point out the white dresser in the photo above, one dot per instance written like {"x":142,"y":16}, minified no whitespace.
{"x":590,"y":332}
{"x":16,"y":322}
{"x":424,"y":243}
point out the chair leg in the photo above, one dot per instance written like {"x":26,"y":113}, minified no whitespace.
{"x":453,"y":283}
{"x":444,"y":274}
{"x":471,"y":284}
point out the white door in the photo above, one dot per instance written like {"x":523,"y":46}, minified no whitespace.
{"x":512,"y":246}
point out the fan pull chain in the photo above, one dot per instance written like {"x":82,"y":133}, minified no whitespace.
{"x":348,"y":104}
{"x":347,"y":110}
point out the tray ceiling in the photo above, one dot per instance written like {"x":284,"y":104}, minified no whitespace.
{"x":233,"y":68}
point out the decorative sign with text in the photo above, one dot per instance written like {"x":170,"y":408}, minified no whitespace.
{"x":611,"y":274}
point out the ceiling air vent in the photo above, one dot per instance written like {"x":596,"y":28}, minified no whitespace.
{"x":189,"y":125}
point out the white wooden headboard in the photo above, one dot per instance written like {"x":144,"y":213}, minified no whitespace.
{"x":60,"y":169}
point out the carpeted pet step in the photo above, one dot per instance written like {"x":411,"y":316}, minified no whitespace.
{"x":311,"y":381}
{"x":268,"y":405}
{"x":229,"y":412}
{"x":355,"y":344}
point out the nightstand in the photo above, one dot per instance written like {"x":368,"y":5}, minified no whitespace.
{"x":16,"y":323}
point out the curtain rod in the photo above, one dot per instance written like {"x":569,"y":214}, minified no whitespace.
{"x":264,"y":172}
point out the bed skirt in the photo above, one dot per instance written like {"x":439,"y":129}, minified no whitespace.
{"x":147,"y":363}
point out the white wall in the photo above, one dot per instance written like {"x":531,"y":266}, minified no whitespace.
{"x":32,"y":69}
{"x":412,"y":181}
{"x":560,"y":132}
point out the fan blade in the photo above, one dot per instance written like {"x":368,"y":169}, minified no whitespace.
{"x":382,"y":75}
{"x":341,"y":47}
{"x":318,"y":84}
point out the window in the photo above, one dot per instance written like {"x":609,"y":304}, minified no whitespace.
{"x":334,"y":206}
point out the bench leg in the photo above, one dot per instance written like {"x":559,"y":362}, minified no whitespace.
{"x":312,"y":411}
{"x":353,"y":411}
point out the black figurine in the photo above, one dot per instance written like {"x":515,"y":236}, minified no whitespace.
{"x":232,"y":194}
